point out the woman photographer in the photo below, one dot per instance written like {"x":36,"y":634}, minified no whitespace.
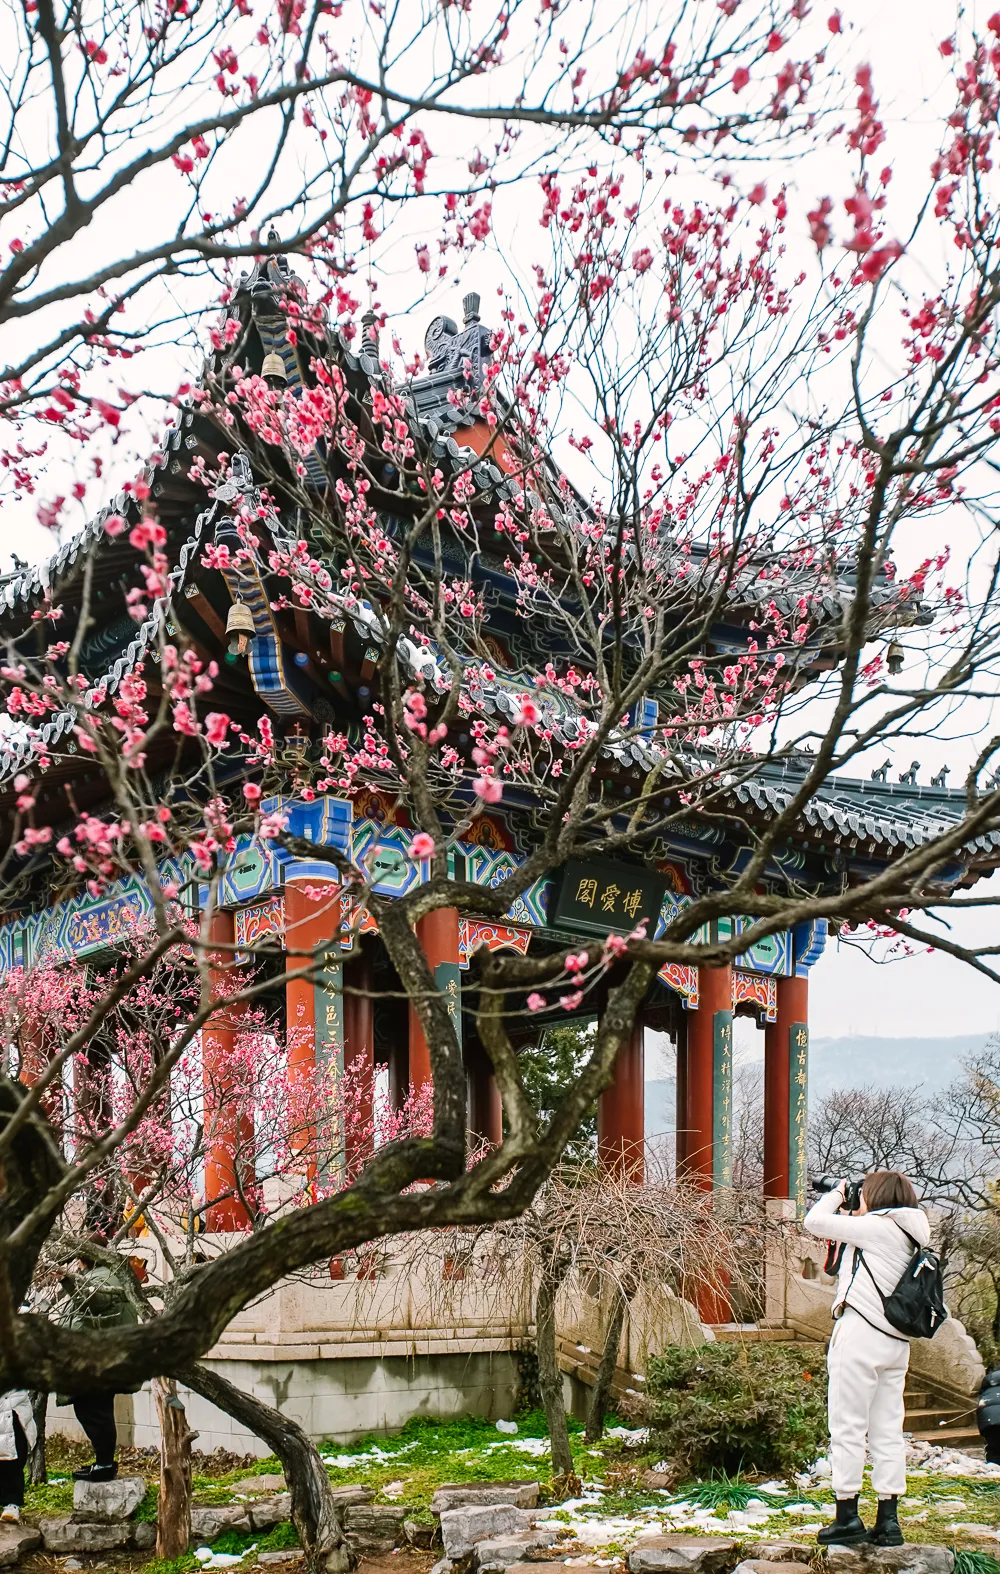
{"x":868,"y":1358}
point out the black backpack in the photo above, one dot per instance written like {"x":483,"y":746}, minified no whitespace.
{"x":916,"y":1306}
{"x":988,"y":1408}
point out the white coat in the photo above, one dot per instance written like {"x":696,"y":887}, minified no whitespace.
{"x":887,"y":1252}
{"x":15,"y":1401}
{"x":868,"y":1358}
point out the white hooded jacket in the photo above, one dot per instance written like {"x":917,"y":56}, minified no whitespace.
{"x":887,"y":1251}
{"x":15,"y":1399}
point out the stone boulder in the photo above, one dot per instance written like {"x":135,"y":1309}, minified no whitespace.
{"x":16,"y":1541}
{"x":768,"y":1566}
{"x":347,"y":1497}
{"x":107,"y":1502}
{"x":500,"y":1552}
{"x":913,"y":1558}
{"x":781,"y":1552}
{"x":375,"y":1527}
{"x":286,"y":1555}
{"x":258,"y":1486}
{"x":461,"y":1528}
{"x":419,"y":1536}
{"x":64,"y":1533}
{"x":523,"y":1494}
{"x":214,"y":1519}
{"x":144,"y":1535}
{"x":695,"y":1554}
{"x":266,"y":1512}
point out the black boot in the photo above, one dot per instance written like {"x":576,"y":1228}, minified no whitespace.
{"x":96,"y":1472}
{"x":847,"y":1529}
{"x":886,"y":1531}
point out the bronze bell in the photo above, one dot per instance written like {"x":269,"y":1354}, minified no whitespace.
{"x":240,"y":628}
{"x":273,"y":371}
{"x":894,"y":657}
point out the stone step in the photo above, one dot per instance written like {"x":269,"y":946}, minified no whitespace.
{"x":921,"y":1419}
{"x":950,"y":1437}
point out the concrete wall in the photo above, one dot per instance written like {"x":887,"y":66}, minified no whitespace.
{"x":340,"y":1399}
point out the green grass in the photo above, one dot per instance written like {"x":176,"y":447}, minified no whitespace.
{"x":722,"y":1491}
{"x":967,"y":1562}
{"x":276,"y":1540}
{"x":53,"y":1497}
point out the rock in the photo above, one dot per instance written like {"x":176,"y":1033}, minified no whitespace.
{"x":266,"y":1512}
{"x":346,"y":1496}
{"x":144,"y":1535}
{"x":913,"y":1558}
{"x":72,"y":1564}
{"x":211,"y":1520}
{"x":781,"y":1552}
{"x":63,"y":1533}
{"x":444,"y":1566}
{"x":769,"y":1566}
{"x":375,"y":1527}
{"x":702,"y":1554}
{"x":657,"y":1480}
{"x":501,"y":1552}
{"x":419,"y":1536}
{"x":461,"y":1528}
{"x":286,"y":1555}
{"x":107,"y":1502}
{"x":523,"y":1494}
{"x":252,"y":1486}
{"x":15,"y":1541}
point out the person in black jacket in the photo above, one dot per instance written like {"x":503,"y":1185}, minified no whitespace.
{"x":988,"y":1415}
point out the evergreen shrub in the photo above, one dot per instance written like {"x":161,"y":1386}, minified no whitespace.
{"x":729,"y":1407}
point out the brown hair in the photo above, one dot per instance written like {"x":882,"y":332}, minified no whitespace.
{"x":888,"y":1189}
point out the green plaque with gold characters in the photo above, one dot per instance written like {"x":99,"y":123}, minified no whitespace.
{"x":601,"y":896}
{"x":722,"y":1098}
{"x":798,"y":1089}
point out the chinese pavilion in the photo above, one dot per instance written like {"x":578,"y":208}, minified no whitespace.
{"x":307,"y":673}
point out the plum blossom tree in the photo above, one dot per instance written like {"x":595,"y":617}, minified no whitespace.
{"x":709,"y":598}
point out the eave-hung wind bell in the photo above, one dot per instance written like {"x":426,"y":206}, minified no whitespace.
{"x":273,"y":371}
{"x":894,"y":658}
{"x":240,"y":628}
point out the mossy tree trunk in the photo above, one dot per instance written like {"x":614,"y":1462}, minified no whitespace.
{"x":601,"y":1392}
{"x":316,"y":1513}
{"x":555,"y":1267}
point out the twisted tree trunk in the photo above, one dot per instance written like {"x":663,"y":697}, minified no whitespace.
{"x":37,"y":1471}
{"x":601,"y":1392}
{"x":173,"y":1514}
{"x":316,"y":1513}
{"x":554,"y":1271}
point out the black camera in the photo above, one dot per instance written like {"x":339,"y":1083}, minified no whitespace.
{"x":850,"y":1204}
{"x":852,"y":1191}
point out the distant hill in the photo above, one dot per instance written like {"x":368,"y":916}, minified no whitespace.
{"x":850,"y":1063}
{"x":882,"y":1062}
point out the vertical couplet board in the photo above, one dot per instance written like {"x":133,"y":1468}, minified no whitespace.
{"x":722,"y":1098}
{"x":329,"y":1008}
{"x":448,"y":980}
{"x":798,"y":1088}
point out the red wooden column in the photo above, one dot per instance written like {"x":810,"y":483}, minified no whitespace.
{"x":485,"y":1104}
{"x":709,"y":1053}
{"x":359,"y":1064}
{"x":786,"y":1046}
{"x":312,"y":917}
{"x":621,"y":1108}
{"x":438,"y":936}
{"x":226,"y":1136}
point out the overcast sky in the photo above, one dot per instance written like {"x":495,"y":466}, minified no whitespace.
{"x":918,"y":996}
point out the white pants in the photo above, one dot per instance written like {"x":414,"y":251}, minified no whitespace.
{"x":867,"y":1374}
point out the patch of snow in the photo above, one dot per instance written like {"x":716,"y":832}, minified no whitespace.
{"x":508,"y":1427}
{"x":528,"y":1445}
{"x":623,"y":1435}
